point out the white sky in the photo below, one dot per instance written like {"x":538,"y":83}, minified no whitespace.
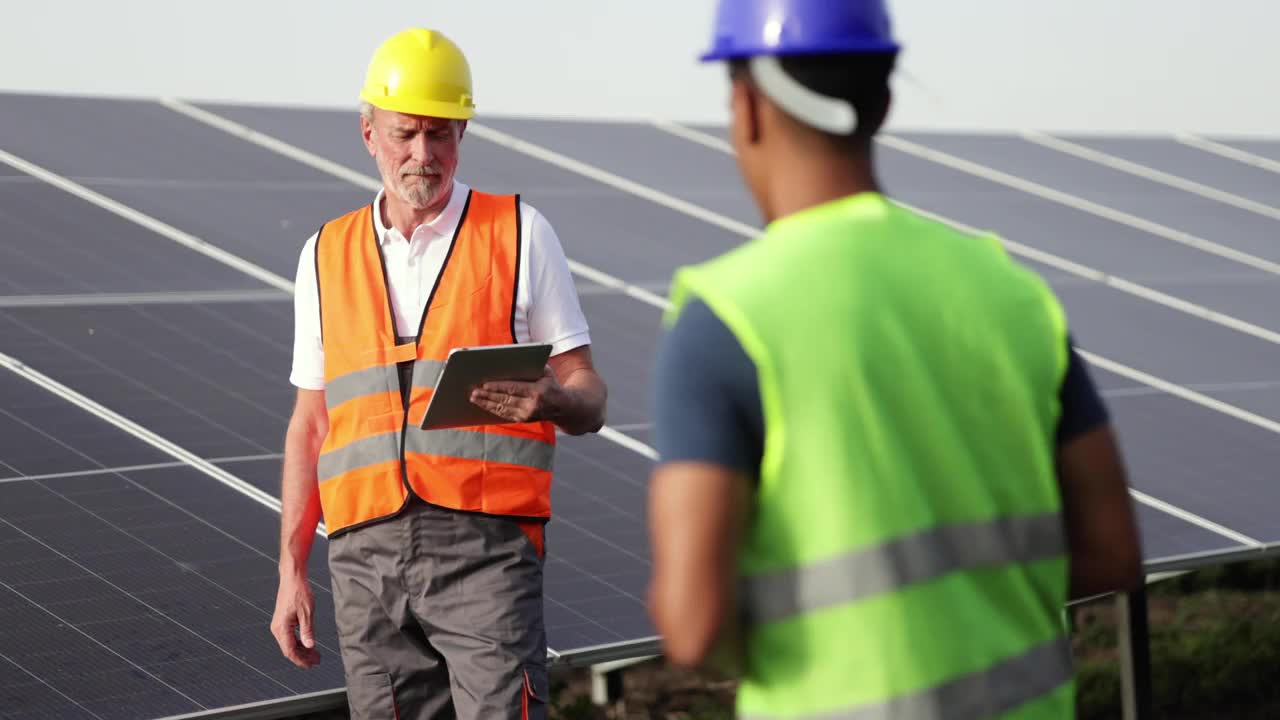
{"x":1061,"y":65}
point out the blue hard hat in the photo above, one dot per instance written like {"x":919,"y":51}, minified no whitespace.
{"x":745,"y":28}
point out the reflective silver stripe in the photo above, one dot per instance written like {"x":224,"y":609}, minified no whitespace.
{"x":426,"y":373}
{"x":449,"y":443}
{"x":900,"y":562}
{"x":998,"y":689}
{"x":482,"y":446}
{"x":378,"y":380}
{"x":358,"y":384}
{"x":361,"y":453}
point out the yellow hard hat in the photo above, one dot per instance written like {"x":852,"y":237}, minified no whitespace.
{"x":420,"y":72}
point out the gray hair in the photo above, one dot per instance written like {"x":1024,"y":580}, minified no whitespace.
{"x":366,"y":112}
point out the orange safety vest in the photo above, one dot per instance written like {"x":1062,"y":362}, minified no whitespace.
{"x":376,"y":453}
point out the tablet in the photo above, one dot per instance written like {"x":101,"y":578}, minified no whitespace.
{"x":466,"y":368}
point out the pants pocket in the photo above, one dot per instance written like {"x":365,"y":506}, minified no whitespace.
{"x":371,"y":697}
{"x":536,"y":693}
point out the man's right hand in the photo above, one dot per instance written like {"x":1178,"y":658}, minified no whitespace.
{"x":291,"y":624}
{"x":299,"y":513}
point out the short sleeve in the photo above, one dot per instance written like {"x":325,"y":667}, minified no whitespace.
{"x":706,"y":401}
{"x":1082,"y":406}
{"x":308,"y":350}
{"x":555,"y":313}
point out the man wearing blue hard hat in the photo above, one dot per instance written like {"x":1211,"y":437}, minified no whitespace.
{"x":884,"y":469}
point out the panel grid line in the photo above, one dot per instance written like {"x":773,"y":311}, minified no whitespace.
{"x":66,"y":252}
{"x":1227,"y":151}
{"x":19,"y":477}
{"x":602,"y":466}
{"x":589,"y":621}
{"x":285,"y":346}
{"x":198,"y":340}
{"x":1149,"y":173}
{"x":47,"y":684}
{"x":1045,"y":192}
{"x":180,"y":184}
{"x":145,"y":298}
{"x":161,"y":228}
{"x":139,"y":486}
{"x":243,"y":600}
{"x":92,"y":639}
{"x":157,"y":611}
{"x":147,"y":436}
{"x":112,"y":371}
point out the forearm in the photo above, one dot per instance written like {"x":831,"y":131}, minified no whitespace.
{"x":1101,"y":525}
{"x":299,"y":496}
{"x":698,"y":513}
{"x":697,"y":624}
{"x":581,"y":410}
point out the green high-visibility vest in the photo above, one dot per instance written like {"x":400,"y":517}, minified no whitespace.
{"x":906,"y":556}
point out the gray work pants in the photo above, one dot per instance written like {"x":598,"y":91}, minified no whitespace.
{"x":439,"y":615}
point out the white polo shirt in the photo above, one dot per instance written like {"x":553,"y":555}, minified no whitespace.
{"x":547,"y":307}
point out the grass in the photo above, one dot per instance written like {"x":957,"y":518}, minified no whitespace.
{"x":1215,"y":646}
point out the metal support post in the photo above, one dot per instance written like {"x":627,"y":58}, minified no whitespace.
{"x":1135,"y":655}
{"x":606,"y":687}
{"x":606,"y":680}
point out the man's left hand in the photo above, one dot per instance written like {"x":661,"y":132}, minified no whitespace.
{"x":522,"y":401}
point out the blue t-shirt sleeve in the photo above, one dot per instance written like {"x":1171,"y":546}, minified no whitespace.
{"x":706,"y":405}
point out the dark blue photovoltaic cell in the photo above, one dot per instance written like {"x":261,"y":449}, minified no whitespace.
{"x":115,"y":586}
{"x":57,"y":244}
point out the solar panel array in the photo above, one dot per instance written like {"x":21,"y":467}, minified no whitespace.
{"x":147,"y":249}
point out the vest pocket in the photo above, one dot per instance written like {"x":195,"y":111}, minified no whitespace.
{"x":371,"y":697}
{"x":384,"y":423}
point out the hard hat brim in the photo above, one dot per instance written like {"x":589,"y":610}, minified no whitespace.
{"x":417,"y":106}
{"x":744,"y":52}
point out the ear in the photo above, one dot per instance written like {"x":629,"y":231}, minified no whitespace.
{"x":462,"y":128}
{"x":366,"y":133}
{"x":745,"y":105}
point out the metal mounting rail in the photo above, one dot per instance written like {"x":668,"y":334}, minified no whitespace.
{"x":317,"y":702}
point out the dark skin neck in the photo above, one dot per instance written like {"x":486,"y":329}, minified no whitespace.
{"x":814,"y":172}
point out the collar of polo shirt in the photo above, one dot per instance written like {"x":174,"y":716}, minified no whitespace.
{"x":443,"y":225}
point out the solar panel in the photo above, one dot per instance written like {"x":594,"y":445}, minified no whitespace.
{"x":128,"y":586}
{"x":143,"y":567}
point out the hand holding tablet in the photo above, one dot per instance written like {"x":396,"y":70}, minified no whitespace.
{"x":491,"y":385}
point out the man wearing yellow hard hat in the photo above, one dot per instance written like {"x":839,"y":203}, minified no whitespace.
{"x":435,"y":536}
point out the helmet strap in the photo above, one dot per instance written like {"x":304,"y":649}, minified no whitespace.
{"x":829,"y":114}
